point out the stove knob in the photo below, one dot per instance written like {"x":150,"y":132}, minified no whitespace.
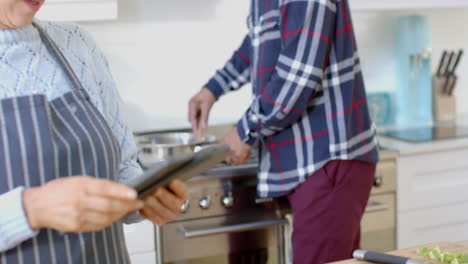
{"x":227,"y":201}
{"x":205,"y":202}
{"x":185,"y":207}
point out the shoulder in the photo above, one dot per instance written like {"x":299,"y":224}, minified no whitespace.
{"x":68,"y":34}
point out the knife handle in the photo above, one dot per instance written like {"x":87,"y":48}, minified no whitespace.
{"x":384,"y":258}
{"x":378,"y":257}
{"x":441,"y":63}
{"x":451,"y":85}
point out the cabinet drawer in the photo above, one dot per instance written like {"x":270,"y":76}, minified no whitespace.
{"x":432,"y":180}
{"x":384,"y":177}
{"x":380,"y":213}
{"x":447,"y":223}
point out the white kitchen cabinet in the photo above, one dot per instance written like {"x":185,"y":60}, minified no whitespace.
{"x":432,"y":197}
{"x":405,"y":4}
{"x":78,"y":10}
{"x":145,"y":258}
{"x":432,"y":191}
{"x":140,"y":238}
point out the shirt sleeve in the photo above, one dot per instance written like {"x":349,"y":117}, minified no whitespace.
{"x":111,"y":104}
{"x":307,"y":28}
{"x":14,"y":225}
{"x":234,"y":74}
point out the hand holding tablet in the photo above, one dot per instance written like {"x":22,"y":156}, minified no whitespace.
{"x":181,"y":167}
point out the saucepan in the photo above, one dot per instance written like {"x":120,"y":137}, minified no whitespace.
{"x":158,"y":147}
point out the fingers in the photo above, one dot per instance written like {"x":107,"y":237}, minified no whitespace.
{"x":107,"y":188}
{"x":204,"y":113}
{"x":92,"y":221}
{"x":179,"y":188}
{"x":169,"y":200}
{"x":239,"y":156}
{"x":199,"y":109}
{"x":111,"y":206}
{"x":194,"y":113}
{"x":197,"y":134}
{"x":163,"y":206}
{"x":156,"y":212}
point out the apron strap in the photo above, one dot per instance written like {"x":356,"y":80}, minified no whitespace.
{"x":50,"y":44}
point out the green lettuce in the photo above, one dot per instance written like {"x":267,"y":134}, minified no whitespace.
{"x":445,"y":257}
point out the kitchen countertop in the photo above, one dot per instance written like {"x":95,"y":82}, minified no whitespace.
{"x":405,"y":148}
{"x":387,"y":154}
{"x":411,"y":252}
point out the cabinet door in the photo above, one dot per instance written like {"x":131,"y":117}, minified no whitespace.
{"x":432,"y":180}
{"x":432,"y":197}
{"x":140,"y":237}
{"x":78,"y":10}
{"x":146,"y":258}
{"x":447,"y":223}
{"x":405,"y":4}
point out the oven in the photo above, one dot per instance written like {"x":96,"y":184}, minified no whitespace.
{"x":225,"y":223}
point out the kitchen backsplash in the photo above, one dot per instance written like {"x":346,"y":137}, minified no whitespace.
{"x":162,"y":52}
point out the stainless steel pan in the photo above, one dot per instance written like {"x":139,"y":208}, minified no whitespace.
{"x":161,"y":146}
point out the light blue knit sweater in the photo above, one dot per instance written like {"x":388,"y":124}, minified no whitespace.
{"x":27,"y":67}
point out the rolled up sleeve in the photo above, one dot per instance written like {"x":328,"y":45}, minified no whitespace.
{"x":14,"y":225}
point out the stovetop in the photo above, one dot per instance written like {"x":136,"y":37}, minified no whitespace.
{"x":231,"y":169}
{"x":428,"y":133}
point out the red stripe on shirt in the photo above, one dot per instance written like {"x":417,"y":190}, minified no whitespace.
{"x":306,"y":31}
{"x":263,"y":70}
{"x":349,"y":110}
{"x":245,"y":58}
{"x":295,"y":140}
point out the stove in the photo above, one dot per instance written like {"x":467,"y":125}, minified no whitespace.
{"x":224,"y":221}
{"x":427,"y":133}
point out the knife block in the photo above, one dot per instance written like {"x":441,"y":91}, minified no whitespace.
{"x":444,"y":105}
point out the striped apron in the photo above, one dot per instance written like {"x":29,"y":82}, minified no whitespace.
{"x":41,"y":141}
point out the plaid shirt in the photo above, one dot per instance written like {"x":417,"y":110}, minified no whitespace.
{"x":309,"y":103}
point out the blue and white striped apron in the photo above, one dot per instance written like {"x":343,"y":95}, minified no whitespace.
{"x":42,"y":140}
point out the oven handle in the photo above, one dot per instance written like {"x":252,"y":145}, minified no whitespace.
{"x":375,"y":207}
{"x":232,"y":228}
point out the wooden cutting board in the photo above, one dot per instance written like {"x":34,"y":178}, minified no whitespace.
{"x":411,"y":252}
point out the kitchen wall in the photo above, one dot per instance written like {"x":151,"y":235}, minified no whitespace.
{"x":162,"y":52}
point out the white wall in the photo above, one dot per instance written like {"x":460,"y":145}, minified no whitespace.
{"x":162,"y":52}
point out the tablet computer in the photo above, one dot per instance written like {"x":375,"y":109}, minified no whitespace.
{"x":180,"y":167}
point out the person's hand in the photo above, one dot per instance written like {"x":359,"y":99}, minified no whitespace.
{"x":163,"y":205}
{"x":240,"y":150}
{"x":199,"y":109}
{"x":79,"y":204}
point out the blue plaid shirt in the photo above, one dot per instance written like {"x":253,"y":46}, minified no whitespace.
{"x":309,"y":104}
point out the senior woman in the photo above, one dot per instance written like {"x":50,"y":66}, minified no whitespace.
{"x":64,"y":147}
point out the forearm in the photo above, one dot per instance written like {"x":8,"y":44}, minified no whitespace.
{"x":234,"y":74}
{"x":14,"y":225}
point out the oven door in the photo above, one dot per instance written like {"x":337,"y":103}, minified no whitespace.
{"x":247,"y":239}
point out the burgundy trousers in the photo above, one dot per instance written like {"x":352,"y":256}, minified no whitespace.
{"x":327,"y":210}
